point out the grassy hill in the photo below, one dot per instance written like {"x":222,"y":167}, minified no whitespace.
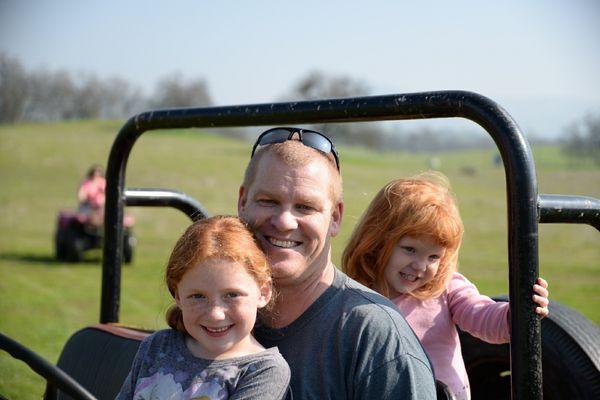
{"x":43,"y":302}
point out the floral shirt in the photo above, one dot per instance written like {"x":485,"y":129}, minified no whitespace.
{"x":164,"y":368}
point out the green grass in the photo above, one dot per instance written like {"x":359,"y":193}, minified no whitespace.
{"x":43,"y":302}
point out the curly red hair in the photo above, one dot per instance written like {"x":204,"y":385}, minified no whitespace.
{"x":419,"y":207}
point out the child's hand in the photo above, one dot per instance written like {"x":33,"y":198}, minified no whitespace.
{"x":541,"y":297}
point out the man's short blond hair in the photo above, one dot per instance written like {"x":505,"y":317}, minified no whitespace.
{"x":295,"y":154}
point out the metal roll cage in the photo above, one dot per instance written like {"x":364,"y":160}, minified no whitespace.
{"x":524,"y":206}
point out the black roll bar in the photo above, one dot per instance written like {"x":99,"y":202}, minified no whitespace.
{"x":55,"y":376}
{"x":521,"y":189}
{"x":557,"y":208}
{"x":166,"y":198}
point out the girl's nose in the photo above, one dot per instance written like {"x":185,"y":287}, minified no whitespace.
{"x":216,"y":312}
{"x":420,"y":265}
{"x":284,"y":220}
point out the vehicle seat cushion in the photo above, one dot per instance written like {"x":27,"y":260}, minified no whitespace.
{"x":99,"y":357}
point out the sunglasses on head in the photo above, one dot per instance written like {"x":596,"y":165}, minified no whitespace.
{"x":309,"y":138}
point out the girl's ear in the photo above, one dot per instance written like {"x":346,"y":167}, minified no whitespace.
{"x":266,"y":291}
{"x":177,"y":298}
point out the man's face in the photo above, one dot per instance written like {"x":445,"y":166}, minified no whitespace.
{"x":293,"y":214}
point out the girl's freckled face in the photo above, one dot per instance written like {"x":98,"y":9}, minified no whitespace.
{"x":413,"y":263}
{"x":219,"y":300}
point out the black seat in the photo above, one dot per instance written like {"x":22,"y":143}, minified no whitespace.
{"x":99,"y":358}
{"x":443,"y":392}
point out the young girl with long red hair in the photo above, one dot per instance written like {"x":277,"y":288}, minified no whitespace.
{"x":406,"y":247}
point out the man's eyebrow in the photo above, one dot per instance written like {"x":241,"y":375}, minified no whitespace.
{"x":309,"y":200}
{"x":263,"y":192}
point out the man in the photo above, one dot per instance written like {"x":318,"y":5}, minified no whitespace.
{"x":341,"y":340}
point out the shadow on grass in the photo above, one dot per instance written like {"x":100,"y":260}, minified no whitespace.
{"x":44,"y":259}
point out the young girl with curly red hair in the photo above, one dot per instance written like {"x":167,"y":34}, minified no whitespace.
{"x":406,"y":247}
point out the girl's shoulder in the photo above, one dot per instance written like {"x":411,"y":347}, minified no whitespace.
{"x":458,"y":280}
{"x":161,"y":334}
{"x":460,"y":286}
{"x":164,"y":338}
{"x":266,"y":356}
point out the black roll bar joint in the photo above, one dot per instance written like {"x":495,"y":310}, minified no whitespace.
{"x":521,"y":189}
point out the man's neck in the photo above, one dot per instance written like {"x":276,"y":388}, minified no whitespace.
{"x":293,"y":301}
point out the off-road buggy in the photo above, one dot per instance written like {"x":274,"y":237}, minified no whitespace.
{"x":96,"y":359}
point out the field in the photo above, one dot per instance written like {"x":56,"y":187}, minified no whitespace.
{"x":43,"y":302}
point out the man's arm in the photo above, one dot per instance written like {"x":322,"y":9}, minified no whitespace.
{"x":405,"y":377}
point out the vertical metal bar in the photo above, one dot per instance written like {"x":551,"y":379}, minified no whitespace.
{"x":521,"y":188}
{"x":113,"y":222}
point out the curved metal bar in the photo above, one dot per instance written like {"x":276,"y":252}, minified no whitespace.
{"x":53,"y":374}
{"x":166,"y":198}
{"x":521,"y":184}
{"x":557,"y":208}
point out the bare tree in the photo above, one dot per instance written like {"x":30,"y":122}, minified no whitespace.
{"x":584,"y":139}
{"x":51,"y":96}
{"x":317,"y":85}
{"x":173,"y":91}
{"x":87,"y":98}
{"x":13,"y":89}
{"x":120,"y":99}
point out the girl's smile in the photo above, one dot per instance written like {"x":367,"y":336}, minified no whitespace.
{"x":216,"y":332}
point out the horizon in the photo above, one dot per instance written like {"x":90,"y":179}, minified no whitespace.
{"x":538,"y":60}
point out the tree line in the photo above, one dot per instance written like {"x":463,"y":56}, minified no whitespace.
{"x":45,"y":95}
{"x":583,"y":139}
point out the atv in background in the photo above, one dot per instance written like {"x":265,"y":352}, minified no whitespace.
{"x":78,"y":232}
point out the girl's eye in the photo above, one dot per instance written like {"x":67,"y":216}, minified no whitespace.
{"x":434,"y":257}
{"x":194,"y":300}
{"x":409,"y":249}
{"x":232,"y":295}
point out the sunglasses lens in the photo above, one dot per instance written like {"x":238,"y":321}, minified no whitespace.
{"x":316,"y":141}
{"x":274,"y":136}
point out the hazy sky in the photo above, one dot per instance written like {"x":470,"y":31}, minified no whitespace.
{"x":540,"y":59}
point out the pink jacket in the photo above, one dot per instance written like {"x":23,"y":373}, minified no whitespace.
{"x":434,"y":322}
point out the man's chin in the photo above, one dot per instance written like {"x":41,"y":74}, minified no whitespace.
{"x":283,"y":268}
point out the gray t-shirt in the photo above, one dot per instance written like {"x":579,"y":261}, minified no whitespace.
{"x":164,"y":368}
{"x":352,"y":343}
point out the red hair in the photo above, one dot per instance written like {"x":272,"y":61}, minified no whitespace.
{"x":219,"y":237}
{"x":417,"y":207}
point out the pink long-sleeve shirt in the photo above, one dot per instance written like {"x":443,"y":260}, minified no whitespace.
{"x":434,"y":322}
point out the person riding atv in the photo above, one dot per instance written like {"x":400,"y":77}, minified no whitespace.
{"x":81,"y":230}
{"x":91,"y":195}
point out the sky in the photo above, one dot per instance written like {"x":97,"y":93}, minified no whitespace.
{"x":539,"y":59}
